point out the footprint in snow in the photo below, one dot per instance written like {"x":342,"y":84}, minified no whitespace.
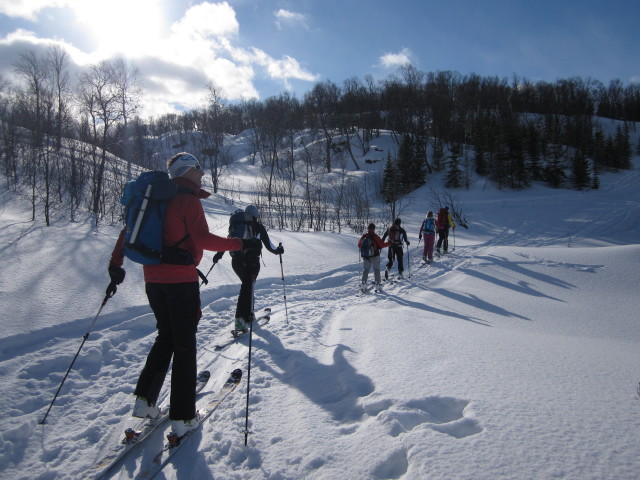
{"x":442,"y":414}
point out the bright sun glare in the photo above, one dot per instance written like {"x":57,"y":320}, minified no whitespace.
{"x":131,"y":26}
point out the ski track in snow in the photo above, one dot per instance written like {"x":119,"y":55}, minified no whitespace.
{"x":120,"y":347}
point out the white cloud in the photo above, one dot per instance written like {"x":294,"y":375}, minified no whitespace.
{"x":176,"y":66}
{"x":286,"y":17}
{"x":206,"y":20}
{"x":286,"y":68}
{"x":20,"y":40}
{"x":393,"y":60}
{"x":28,"y":9}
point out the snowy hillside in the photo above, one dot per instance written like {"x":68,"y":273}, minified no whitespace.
{"x":516,"y":356}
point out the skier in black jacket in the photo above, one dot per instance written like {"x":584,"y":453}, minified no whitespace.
{"x":396,"y":236}
{"x":246,"y":264}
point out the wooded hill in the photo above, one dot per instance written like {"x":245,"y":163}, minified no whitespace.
{"x":70,"y":144}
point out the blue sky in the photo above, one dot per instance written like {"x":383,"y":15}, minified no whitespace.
{"x":260,"y":48}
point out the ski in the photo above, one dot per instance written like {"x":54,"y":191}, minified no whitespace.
{"x":262,"y":320}
{"x":367,"y":288}
{"x":174,"y":443}
{"x":392,"y":279}
{"x":136,"y":436}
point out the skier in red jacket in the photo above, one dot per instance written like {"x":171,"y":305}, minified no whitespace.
{"x":174,"y":296}
{"x":372,"y":259}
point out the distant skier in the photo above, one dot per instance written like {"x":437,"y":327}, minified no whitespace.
{"x":370,"y":244}
{"x":428,"y":231}
{"x":443,"y":223}
{"x":396,"y":235}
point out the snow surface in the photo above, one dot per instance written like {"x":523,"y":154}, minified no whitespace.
{"x":517,"y":356}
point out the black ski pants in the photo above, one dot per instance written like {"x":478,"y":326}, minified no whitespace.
{"x":176,"y":307}
{"x":397,"y":252}
{"x":247,"y":268}
{"x":443,"y":239}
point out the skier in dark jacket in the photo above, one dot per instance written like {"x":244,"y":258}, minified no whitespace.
{"x":396,"y":235}
{"x":246,"y":264}
{"x":444,"y":222}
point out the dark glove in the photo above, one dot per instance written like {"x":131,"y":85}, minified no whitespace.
{"x":111,"y":289}
{"x":408,"y":243}
{"x":251,"y":244}
{"x":117,"y":274}
{"x":420,"y":237}
{"x":217,"y":257}
{"x":279,"y":250}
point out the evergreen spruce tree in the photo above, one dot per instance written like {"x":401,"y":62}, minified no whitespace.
{"x":599,"y":149}
{"x":405,"y":164}
{"x":518,"y":168}
{"x":623,"y":152}
{"x":480,"y":147}
{"x":533,"y":151}
{"x":500,"y":171}
{"x":418,"y":166}
{"x":390,"y":181}
{"x":554,"y":172}
{"x":595,"y":176}
{"x":453,"y":178}
{"x":609,"y":153}
{"x":580,"y":170}
{"x":438,"y":155}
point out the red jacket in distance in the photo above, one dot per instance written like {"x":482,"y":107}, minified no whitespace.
{"x":377,"y":241}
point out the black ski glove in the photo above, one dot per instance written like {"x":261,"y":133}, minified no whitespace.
{"x":408,"y":243}
{"x":111,"y":289}
{"x":251,"y":244}
{"x":217,"y":257}
{"x":279,"y":250}
{"x":117,"y":274}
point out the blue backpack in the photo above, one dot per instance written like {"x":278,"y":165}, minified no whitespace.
{"x":429,"y":225}
{"x":367,"y":247}
{"x":240,"y":226}
{"x":146,"y":200}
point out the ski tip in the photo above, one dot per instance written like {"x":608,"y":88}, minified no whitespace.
{"x":204,"y":375}
{"x":267,"y":310}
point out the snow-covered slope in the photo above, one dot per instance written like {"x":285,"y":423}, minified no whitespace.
{"x":516,"y":356}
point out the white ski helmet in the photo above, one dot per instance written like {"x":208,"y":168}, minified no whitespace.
{"x":179,"y":164}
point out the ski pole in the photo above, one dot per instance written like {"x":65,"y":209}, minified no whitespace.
{"x":409,"y":261}
{"x":284,"y":289}
{"x":454,"y":240}
{"x":204,"y":280}
{"x":246,"y":414}
{"x":111,"y":290}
